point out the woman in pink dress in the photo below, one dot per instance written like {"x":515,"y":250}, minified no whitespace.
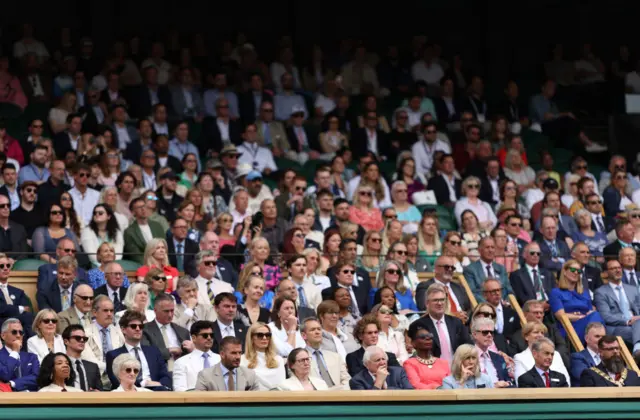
{"x":362,"y":212}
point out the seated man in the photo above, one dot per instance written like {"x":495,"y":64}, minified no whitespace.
{"x":366,"y":333}
{"x":14,"y":302}
{"x":612,"y":370}
{"x":377,"y":374}
{"x":187,"y":368}
{"x":491,"y":363}
{"x":190,"y":311}
{"x":17,"y":368}
{"x":59,"y":294}
{"x":476,"y":273}
{"x":80,"y":312}
{"x":541,"y":376}
{"x":228,"y":375}
{"x":588,"y":357}
{"x":47,"y":273}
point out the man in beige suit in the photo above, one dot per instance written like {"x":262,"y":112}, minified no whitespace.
{"x":80,"y":312}
{"x":271,"y":133}
{"x":190,"y":310}
{"x":324,"y":363}
{"x":228,"y":375}
{"x":102,"y":331}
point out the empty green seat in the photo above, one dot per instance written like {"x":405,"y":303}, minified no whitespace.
{"x":28,"y":264}
{"x":128,"y":265}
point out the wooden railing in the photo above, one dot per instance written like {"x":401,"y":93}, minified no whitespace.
{"x":516,"y":307}
{"x":571,"y":332}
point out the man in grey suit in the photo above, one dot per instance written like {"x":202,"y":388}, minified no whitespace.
{"x":619,"y":305}
{"x":228,"y":375}
{"x":476,"y":273}
{"x":186,"y":99}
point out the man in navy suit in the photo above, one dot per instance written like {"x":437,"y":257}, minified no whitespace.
{"x":513,"y":227}
{"x":347,"y":275}
{"x":47,"y":273}
{"x":445,"y":185}
{"x":154,"y":374}
{"x":591,"y":276}
{"x":224,"y":270}
{"x":491,"y":363}
{"x":59,"y":297}
{"x":17,"y":368}
{"x":14,"y":302}
{"x":531,"y":281}
{"x":377,"y":374}
{"x":541,"y":376}
{"x":366,"y":333}
{"x":554,"y":252}
{"x":588,"y":357}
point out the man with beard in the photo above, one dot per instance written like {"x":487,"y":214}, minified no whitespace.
{"x":612,"y":370}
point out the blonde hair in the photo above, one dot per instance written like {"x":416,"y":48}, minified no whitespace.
{"x":464,"y":353}
{"x":124,"y":361}
{"x":563,"y":283}
{"x":529,"y":327}
{"x":149,"y":259}
{"x":468,"y":180}
{"x":511,"y":155}
{"x":479,"y":307}
{"x":385,"y":235}
{"x":132,"y":291}
{"x":437,"y":244}
{"x":310,"y":251}
{"x":251,"y":353}
{"x":380,"y":281}
{"x":363,"y":186}
{"x":40,"y":316}
{"x":367,"y":255}
{"x":108,"y":244}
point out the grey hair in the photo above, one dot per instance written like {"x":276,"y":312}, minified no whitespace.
{"x":132,"y":291}
{"x":482,"y":322}
{"x":82,"y":286}
{"x":549,"y":211}
{"x":9,"y":321}
{"x":123,"y":361}
{"x":98,"y":300}
{"x":434,"y":288}
{"x":581,"y":213}
{"x":540,"y":174}
{"x":539,"y":342}
{"x":186,"y":281}
{"x":370,"y":351}
{"x":593,"y":326}
{"x":109,"y":265}
{"x":67,"y":262}
{"x":202,"y":255}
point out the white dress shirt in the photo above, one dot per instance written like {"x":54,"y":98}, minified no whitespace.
{"x":226,"y":330}
{"x":423,"y":154}
{"x":595,"y":356}
{"x":499,"y":319}
{"x":171,"y":335}
{"x":258,"y":157}
{"x":84,"y":203}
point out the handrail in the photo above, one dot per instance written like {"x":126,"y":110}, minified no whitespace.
{"x":626,"y":355}
{"x":571,"y":332}
{"x":463,"y":282}
{"x":516,"y":307}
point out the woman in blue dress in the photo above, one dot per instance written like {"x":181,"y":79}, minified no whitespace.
{"x":570,"y":299}
{"x":391,"y":275}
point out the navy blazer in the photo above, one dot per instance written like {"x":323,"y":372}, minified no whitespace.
{"x":226,"y":272}
{"x":51,"y":298}
{"x":461,"y":295}
{"x":361,"y":290}
{"x":397,"y":379}
{"x":580,"y":361}
{"x":28,"y":365}
{"x":18,"y":296}
{"x":501,"y":367}
{"x":532,"y":379}
{"x":157,"y":366}
{"x":47,"y":275}
{"x":522,"y":283}
{"x":545,"y":258}
{"x":591,"y":278}
{"x":625,"y":280}
{"x":355,"y":364}
{"x":441,"y":190}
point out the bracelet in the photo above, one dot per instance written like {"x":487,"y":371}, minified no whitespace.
{"x":291,"y":331}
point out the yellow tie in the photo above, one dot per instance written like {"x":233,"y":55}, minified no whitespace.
{"x":5,"y":292}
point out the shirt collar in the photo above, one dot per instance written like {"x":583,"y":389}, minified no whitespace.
{"x":225,"y":370}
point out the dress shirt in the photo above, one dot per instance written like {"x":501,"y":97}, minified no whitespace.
{"x":84,"y":203}
{"x":444,"y":328}
{"x":259,"y":158}
{"x":76,"y":383}
{"x":595,"y":356}
{"x":451,"y":182}
{"x":533,"y":280}
{"x":486,"y":364}
{"x":372,"y":141}
{"x":161,"y":128}
{"x":225,"y":374}
{"x":223,"y":127}
{"x":13,"y":196}
{"x":149,"y":181}
{"x":622,"y":295}
{"x":146,"y":373}
{"x":113,"y":293}
{"x":631,"y":275}
{"x":542,"y":374}
{"x":453,"y":295}
{"x":107,"y":335}
{"x":423,"y":154}
{"x":499,"y":319}
{"x":226,"y":330}
{"x":179,"y":149}
{"x":81,"y":316}
{"x":69,"y":295}
{"x":171,"y":335}
{"x":495,"y":188}
{"x":123,"y":136}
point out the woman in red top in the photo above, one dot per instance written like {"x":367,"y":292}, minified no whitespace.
{"x":155,"y":255}
{"x":515,"y":142}
{"x":424,"y":370}
{"x":362,"y":212}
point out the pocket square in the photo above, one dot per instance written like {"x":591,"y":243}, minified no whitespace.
{"x":555,"y":380}
{"x":222,"y":269}
{"x":511,"y":319}
{"x":29,"y":364}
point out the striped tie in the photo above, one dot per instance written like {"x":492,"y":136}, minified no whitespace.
{"x":210,"y":292}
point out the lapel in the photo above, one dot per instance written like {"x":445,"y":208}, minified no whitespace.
{"x":242,"y":380}
{"x":217,"y":334}
{"x":137,"y":234}
{"x":631,"y":297}
{"x":449,"y":322}
{"x":369,"y":379}
{"x":527,"y":284}
{"x":613,"y":296}
{"x":538,"y":378}
{"x":155,"y":333}
{"x":218,"y":379}
{"x":589,"y":358}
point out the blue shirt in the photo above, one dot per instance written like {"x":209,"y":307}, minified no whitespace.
{"x":179,"y":150}
{"x":283,"y":105}
{"x":32,"y":173}
{"x":540,"y":106}
{"x":225,"y":374}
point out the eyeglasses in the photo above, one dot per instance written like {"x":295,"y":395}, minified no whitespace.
{"x":135,"y":371}
{"x":575,"y":270}
{"x":261,"y":335}
{"x":486,"y":314}
{"x":304,"y":360}
{"x":159,"y":278}
{"x":473,"y":186}
{"x":69,"y":250}
{"x":594,"y":202}
{"x":55,"y":212}
{"x":135,"y":326}
{"x":115,"y":273}
{"x":30,"y":190}
{"x":348,"y":271}
{"x":210,"y":263}
{"x":492,"y":291}
{"x":400,"y":252}
{"x":49,"y":321}
{"x":455,"y":243}
{"x":152,"y":198}
{"x":515,"y":224}
{"x":447,"y":267}
{"x":5,"y":266}
{"x":99,"y":213}
{"x":375,"y":239}
{"x":486,"y":332}
{"x":206,"y":335}
{"x":79,"y":338}
{"x":85,"y":298}
{"x":298,"y":235}
{"x":392,"y":271}
{"x":534,"y":253}
{"x":17,"y":332}
{"x":5,"y":206}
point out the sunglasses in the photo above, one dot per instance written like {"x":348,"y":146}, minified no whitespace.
{"x":30,"y":190}
{"x":393,"y":216}
{"x":486,"y":332}
{"x":5,"y":206}
{"x":262,"y":336}
{"x":534,"y":253}
{"x":401,"y":252}
{"x":392,"y":271}
{"x":447,"y":267}
{"x":49,"y":321}
{"x":135,"y":326}
{"x":17,"y":332}
{"x":594,"y":202}
{"x":365,"y":192}
{"x":575,"y":270}
{"x":299,"y":235}
{"x":69,"y":250}
{"x":267,"y":110}
{"x":83,"y":175}
{"x":635,"y":216}
{"x":473,"y":186}
{"x":515,"y":224}
{"x":5,"y":266}
{"x":55,"y":212}
{"x":375,"y":239}
{"x":80,"y":338}
{"x":210,"y":263}
{"x":85,"y":298}
{"x":299,"y":188}
{"x":455,"y":243}
{"x":159,"y":278}
{"x":581,"y":167}
{"x":37,"y":126}
{"x":206,"y":335}
{"x":135,"y":371}
{"x":427,"y":336}
{"x":348,"y":271}
{"x":152,"y":197}
{"x":99,"y":213}
{"x":487,"y":314}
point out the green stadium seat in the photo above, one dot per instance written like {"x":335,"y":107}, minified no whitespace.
{"x":283,"y":163}
{"x":29,"y":264}
{"x":128,"y":265}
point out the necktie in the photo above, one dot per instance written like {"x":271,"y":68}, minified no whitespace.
{"x":266,"y":134}
{"x":206,"y":364}
{"x":86,"y":321}
{"x":324,"y":373}
{"x":452,"y":304}
{"x":624,"y":305}
{"x":489,"y":271}
{"x":105,"y":344}
{"x":136,"y":350}
{"x":303,"y":298}
{"x":632,"y":278}
{"x":300,"y":136}
{"x":165,"y":338}
{"x":5,"y":293}
{"x":445,"y":347}
{"x":355,"y":311}
{"x":65,"y":300}
{"x":80,"y":370}
{"x":210,"y":294}
{"x":19,"y":371}
{"x":547,"y":382}
{"x":231,"y":383}
{"x":537,"y":285}
{"x":600,"y":224}
{"x":116,"y":301}
{"x":179,"y":257}
{"x":554,"y":249}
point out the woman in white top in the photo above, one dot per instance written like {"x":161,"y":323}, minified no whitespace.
{"x":46,"y":340}
{"x":389,"y":340}
{"x":531,"y":332}
{"x":313,"y":268}
{"x":55,"y":373}
{"x":284,"y":327}
{"x":333,"y":338}
{"x":518,"y":172}
{"x":103,"y":227}
{"x":137,"y":299}
{"x":470,"y":201}
{"x":110,"y":165}
{"x":260,"y":356}
{"x":58,"y":115}
{"x":299,"y":361}
{"x":126,"y":368}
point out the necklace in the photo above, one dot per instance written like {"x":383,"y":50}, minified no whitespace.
{"x":429,"y":362}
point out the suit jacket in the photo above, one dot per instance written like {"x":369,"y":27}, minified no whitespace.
{"x":134,"y":242}
{"x":355,"y":365}
{"x":211,"y":379}
{"x":443,"y":111}
{"x":590,"y":378}
{"x":172,"y":162}
{"x":486,"y":189}
{"x":93,"y":349}
{"x":397,"y":379}
{"x":18,"y":235}
{"x":152,"y":336}
{"x":284,"y":211}
{"x":458,"y":290}
{"x":92,"y":372}
{"x":247,"y":104}
{"x":545,"y":258}
{"x":180,"y":105}
{"x":500,"y":364}
{"x":294,"y":384}
{"x":522,"y":283}
{"x":18,"y":296}
{"x":304,"y":313}
{"x":511,"y":321}
{"x":122,"y":292}
{"x":580,"y":361}
{"x":611,"y":251}
{"x":191,"y":248}
{"x":51,"y":299}
{"x":438,"y":184}
{"x":240,"y":333}
{"x":68,"y":317}
{"x":47,"y":275}
{"x":532,"y":379}
{"x":226,"y":272}
{"x":200,"y":312}
{"x":609,"y":224}
{"x":89,"y":119}
{"x":140,"y":101}
{"x":312,"y":138}
{"x":28,"y":366}
{"x":47,"y":84}
{"x":211,"y":139}
{"x":361,"y":290}
{"x":458,"y":333}
{"x":187,"y":368}
{"x":336,"y":367}
{"x":278,"y":132}
{"x":606,"y":302}
{"x":360,"y":140}
{"x":157,"y":366}
{"x":591,"y":278}
{"x":475,"y":274}
{"x":133,"y":149}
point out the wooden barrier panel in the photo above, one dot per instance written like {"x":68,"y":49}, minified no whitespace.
{"x":627,"y":356}
{"x":571,"y":333}
{"x":516,"y":306}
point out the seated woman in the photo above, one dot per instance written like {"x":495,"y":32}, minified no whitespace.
{"x":596,"y":241}
{"x":363,"y":212}
{"x":391,"y":233}
{"x":106,"y":254}
{"x":392,"y":276}
{"x":266,"y":297}
{"x":346,"y":320}
{"x":284,"y":326}
{"x":408,"y":214}
{"x":424,"y":370}
{"x":260,"y":250}
{"x":45,"y":238}
{"x":333,"y":338}
{"x":299,"y":362}
{"x":371,"y":257}
{"x":387,"y":296}
{"x":510,"y":198}
{"x":389,"y":340}
{"x":571,"y":300}
{"x":471,"y":234}
{"x":517,"y":171}
{"x":55,"y":373}
{"x":506,"y":251}
{"x":614,"y":197}
{"x":102,"y":228}
{"x":415,"y":262}
{"x":429,"y":244}
{"x":136,"y":299}
{"x":260,"y":356}
{"x":126,"y":368}
{"x":156,"y":280}
{"x":531,"y":332}
{"x":470,"y":201}
{"x":46,"y":340}
{"x":332,"y":139}
{"x":415,"y":181}
{"x":465,"y":371}
{"x":155,"y":255}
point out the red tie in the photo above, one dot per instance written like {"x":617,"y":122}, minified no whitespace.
{"x":452,"y":303}
{"x":547,"y":382}
{"x":618,"y":376}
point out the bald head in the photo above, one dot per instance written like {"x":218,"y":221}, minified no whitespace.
{"x":83,"y":298}
{"x":66,"y":248}
{"x":210,"y":242}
